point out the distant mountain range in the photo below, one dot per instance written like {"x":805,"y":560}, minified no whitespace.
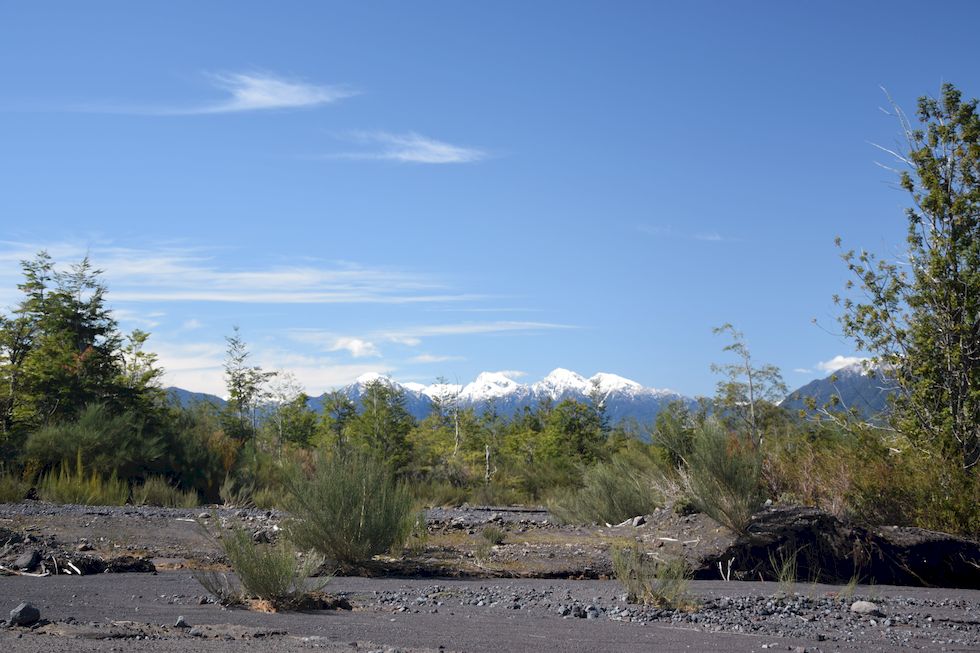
{"x":856,"y":386}
{"x":624,"y":399}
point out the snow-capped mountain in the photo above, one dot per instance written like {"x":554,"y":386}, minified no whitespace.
{"x":623,"y":398}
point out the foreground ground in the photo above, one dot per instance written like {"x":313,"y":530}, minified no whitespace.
{"x":542,"y":590}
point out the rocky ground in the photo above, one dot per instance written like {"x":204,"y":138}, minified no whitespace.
{"x":545,"y":587}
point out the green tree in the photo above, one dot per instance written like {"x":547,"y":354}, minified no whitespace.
{"x":337,"y":414}
{"x":920,"y":317}
{"x":383,"y":425}
{"x":245,"y":385}
{"x":747,"y":392}
{"x":573,"y":432}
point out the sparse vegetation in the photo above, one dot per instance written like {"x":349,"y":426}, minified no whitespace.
{"x":784,"y":567}
{"x":663,"y":584}
{"x":350,"y":508}
{"x":494,"y":535}
{"x":269,"y":572}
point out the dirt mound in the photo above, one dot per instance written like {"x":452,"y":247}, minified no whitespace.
{"x":827,"y":549}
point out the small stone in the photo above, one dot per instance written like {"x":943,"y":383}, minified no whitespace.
{"x":181,"y":622}
{"x":867,"y":608}
{"x":204,"y":515}
{"x":24,"y":614}
{"x":83,"y":546}
{"x":639,"y":520}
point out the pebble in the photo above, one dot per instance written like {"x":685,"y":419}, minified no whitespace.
{"x":24,"y":614}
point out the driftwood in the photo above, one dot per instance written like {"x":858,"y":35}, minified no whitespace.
{"x":14,"y":572}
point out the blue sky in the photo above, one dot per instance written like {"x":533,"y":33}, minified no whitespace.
{"x":438,"y":189}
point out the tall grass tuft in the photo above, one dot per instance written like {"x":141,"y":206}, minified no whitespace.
{"x":12,"y":488}
{"x":268,"y":572}
{"x":350,"y":509}
{"x":724,"y":474}
{"x":611,"y":492}
{"x":156,"y":491}
{"x":663,"y":584}
{"x":69,"y":485}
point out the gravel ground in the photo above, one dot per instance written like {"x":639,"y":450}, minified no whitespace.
{"x":513,"y":615}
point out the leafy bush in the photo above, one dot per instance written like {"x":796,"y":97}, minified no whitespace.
{"x":350,"y":508}
{"x":611,"y":492}
{"x":73,"y":486}
{"x":156,"y":491}
{"x":269,"y":572}
{"x":723,"y":475}
{"x":663,"y":584}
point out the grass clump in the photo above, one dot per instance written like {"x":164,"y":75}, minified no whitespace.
{"x":723,"y":475}
{"x":12,"y":488}
{"x":663,"y":584}
{"x":493,"y":535}
{"x":69,"y":485}
{"x":350,"y":508}
{"x":784,"y":568}
{"x":268,"y":572}
{"x":611,"y":492}
{"x":156,"y":491}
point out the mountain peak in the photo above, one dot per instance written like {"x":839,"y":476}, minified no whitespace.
{"x":372,"y":377}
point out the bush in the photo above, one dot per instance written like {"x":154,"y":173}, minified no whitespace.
{"x":436,"y":493}
{"x":12,"y":488}
{"x":73,"y":486}
{"x":663,"y":584}
{"x":723,"y":475}
{"x":268,"y":572}
{"x":111,"y":445}
{"x":493,"y":534}
{"x":611,"y":492}
{"x":156,"y":491}
{"x":350,"y":508}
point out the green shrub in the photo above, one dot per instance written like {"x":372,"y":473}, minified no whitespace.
{"x":156,"y":491}
{"x":438,"y":493}
{"x":12,"y":488}
{"x":270,"y":498}
{"x":350,"y":508}
{"x":723,"y":475}
{"x":110,"y":444}
{"x":269,"y":572}
{"x":493,"y":534}
{"x":236,"y":493}
{"x":663,"y":584}
{"x":611,"y":492}
{"x":73,"y":486}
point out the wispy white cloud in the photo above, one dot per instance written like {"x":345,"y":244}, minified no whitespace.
{"x":192,"y":324}
{"x":802,"y":370}
{"x":253,"y":91}
{"x":409,"y":147}
{"x":667,"y":231}
{"x":838,"y":362}
{"x":433,"y":358}
{"x":357,"y":347}
{"x":172,"y":274}
{"x":365,"y":344}
{"x":512,"y":374}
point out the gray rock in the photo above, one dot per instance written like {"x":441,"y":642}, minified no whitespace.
{"x":639,"y":520}
{"x":27,"y":560}
{"x":867,"y":608}
{"x":24,"y":614}
{"x":181,"y":622}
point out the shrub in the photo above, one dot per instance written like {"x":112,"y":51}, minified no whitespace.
{"x":269,"y":572}
{"x":236,"y":493}
{"x":110,"y":444}
{"x":12,"y":487}
{"x":611,"y":492}
{"x":663,"y":584}
{"x":350,"y":508}
{"x":438,"y":493}
{"x":73,"y":486}
{"x":156,"y":491}
{"x":493,"y":535}
{"x":723,"y":475}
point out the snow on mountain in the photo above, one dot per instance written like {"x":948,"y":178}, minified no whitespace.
{"x":623,"y":398}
